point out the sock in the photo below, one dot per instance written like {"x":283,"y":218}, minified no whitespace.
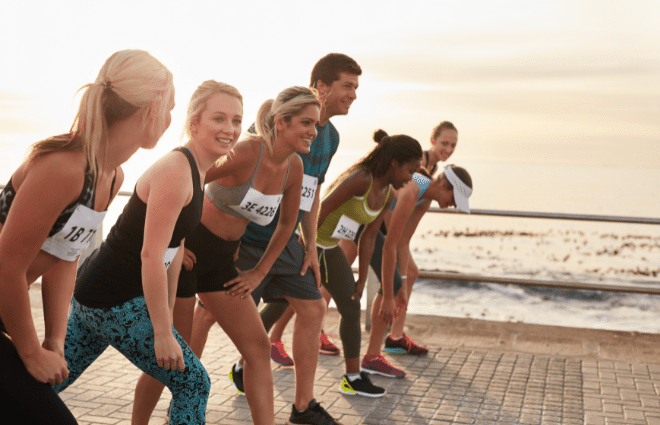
{"x":353,"y":376}
{"x":238,"y":367}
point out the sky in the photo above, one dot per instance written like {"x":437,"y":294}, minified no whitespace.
{"x":533,"y":82}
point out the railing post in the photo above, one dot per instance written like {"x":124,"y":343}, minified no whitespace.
{"x":372,"y":290}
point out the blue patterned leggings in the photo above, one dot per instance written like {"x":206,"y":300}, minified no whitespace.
{"x":128,"y":329}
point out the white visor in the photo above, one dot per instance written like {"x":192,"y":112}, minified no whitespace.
{"x":461,"y":191}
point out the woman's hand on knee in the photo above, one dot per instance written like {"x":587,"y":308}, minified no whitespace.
{"x":46,"y":366}
{"x":359,"y":288}
{"x":388,"y":310}
{"x":168,"y":353}
{"x":401,"y":300}
{"x":53,"y":345}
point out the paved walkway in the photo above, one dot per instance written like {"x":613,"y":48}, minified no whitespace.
{"x":477,"y":372}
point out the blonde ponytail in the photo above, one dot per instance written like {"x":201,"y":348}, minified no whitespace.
{"x":129,"y":80}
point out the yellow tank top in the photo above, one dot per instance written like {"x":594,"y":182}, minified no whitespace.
{"x":343,"y":222}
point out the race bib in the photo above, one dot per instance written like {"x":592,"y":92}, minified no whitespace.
{"x":75,"y":236}
{"x":308,"y":191}
{"x":346,"y":228}
{"x":169,"y":256}
{"x":257,"y":207}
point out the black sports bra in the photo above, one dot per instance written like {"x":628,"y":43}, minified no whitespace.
{"x":86,"y":198}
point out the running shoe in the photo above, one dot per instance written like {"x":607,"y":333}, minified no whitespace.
{"x":381,"y":366}
{"x":236,"y":379}
{"x":361,"y":386}
{"x":278,"y":355}
{"x":314,"y":415}
{"x":404,"y":345}
{"x":327,"y":347}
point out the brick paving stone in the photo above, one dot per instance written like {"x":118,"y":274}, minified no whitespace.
{"x":633,"y":414}
{"x":459,"y":385}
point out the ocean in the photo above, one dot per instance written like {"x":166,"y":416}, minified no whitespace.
{"x":516,"y":247}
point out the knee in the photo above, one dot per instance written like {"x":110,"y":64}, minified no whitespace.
{"x":205,"y":384}
{"x":196,"y":382}
{"x":349,"y":310}
{"x":312,"y":311}
{"x":413,"y":273}
{"x":258,"y":348}
{"x":204,"y":317}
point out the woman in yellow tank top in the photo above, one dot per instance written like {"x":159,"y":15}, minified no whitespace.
{"x":361,"y":195}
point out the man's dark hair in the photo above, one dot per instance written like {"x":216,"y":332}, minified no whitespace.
{"x":327,"y":69}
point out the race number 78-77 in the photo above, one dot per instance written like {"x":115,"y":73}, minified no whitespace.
{"x":76,"y":233}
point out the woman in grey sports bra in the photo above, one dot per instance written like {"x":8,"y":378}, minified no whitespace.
{"x":55,"y":203}
{"x":261,"y":175}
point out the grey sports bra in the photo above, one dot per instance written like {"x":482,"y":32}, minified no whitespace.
{"x":230,"y":198}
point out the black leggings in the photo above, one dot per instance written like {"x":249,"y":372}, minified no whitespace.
{"x":31,"y":401}
{"x":338,"y":279}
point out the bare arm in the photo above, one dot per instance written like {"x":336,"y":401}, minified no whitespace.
{"x":41,"y":197}
{"x":167,"y":183}
{"x":403,"y":248}
{"x":56,"y":290}
{"x":366,"y":249}
{"x":237,"y":166}
{"x":406,"y":198}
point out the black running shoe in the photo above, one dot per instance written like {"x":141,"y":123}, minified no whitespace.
{"x":361,"y":386}
{"x":236,"y":378}
{"x":314,"y":415}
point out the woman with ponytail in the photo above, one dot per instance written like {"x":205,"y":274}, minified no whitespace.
{"x":361,"y":196}
{"x":261,"y":175}
{"x":49,"y":211}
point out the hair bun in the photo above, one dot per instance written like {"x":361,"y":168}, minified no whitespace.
{"x":379,"y":135}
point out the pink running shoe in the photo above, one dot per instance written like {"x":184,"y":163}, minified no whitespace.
{"x":381,"y":366}
{"x":327,"y":347}
{"x":279,"y":356}
{"x":404,"y":345}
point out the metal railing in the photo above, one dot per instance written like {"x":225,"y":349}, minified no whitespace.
{"x":554,"y":216}
{"x":373,"y":284}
